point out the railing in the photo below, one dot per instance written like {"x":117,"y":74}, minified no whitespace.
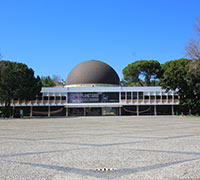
{"x":152,"y":101}
{"x":60,"y":101}
{"x":28,"y":102}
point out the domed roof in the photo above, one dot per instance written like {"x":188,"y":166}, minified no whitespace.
{"x":92,"y":72}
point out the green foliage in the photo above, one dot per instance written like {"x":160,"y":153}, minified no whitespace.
{"x":17,"y":81}
{"x":47,"y":81}
{"x":194,"y":68}
{"x":142,"y":73}
{"x":177,"y":76}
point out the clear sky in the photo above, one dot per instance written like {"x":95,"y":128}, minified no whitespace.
{"x":52,"y":36}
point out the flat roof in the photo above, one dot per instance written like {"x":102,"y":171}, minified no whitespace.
{"x":102,"y":89}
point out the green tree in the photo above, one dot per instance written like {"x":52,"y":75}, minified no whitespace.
{"x":142,"y":73}
{"x":47,"y":81}
{"x":17,"y":81}
{"x":177,"y":76}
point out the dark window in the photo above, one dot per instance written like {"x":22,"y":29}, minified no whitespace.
{"x":134,"y":95}
{"x":140,"y":95}
{"x":164,"y":97}
{"x":45,"y":98}
{"x":152,"y":97}
{"x":51,"y":97}
{"x":63,"y":97}
{"x":158,"y":97}
{"x":175,"y":97}
{"x":122,"y":95}
{"x":57,"y":97}
{"x":128,"y":95}
{"x":146,"y":97}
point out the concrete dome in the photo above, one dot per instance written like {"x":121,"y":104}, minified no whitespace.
{"x":92,"y":72}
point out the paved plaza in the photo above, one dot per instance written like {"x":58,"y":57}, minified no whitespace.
{"x":79,"y":148}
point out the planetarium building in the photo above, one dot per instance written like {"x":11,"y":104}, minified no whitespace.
{"x":93,"y":89}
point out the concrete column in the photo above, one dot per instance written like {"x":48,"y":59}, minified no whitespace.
{"x":55,"y":98}
{"x":60,"y":94}
{"x":49,"y":111}
{"x":155,"y":111}
{"x":120,"y":111}
{"x":167,"y":94}
{"x":31,"y":111}
{"x":84,"y":111}
{"x":172,"y":96}
{"x":173,"y":110}
{"x":131,"y":97}
{"x":137,"y":110}
{"x":67,"y":112}
{"x":48,"y":98}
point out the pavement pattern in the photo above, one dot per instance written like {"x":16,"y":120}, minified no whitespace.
{"x":98,"y":148}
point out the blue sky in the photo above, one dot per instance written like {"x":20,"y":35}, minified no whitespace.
{"x":53,"y":36}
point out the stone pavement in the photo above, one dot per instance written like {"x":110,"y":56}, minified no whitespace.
{"x":144,"y":148}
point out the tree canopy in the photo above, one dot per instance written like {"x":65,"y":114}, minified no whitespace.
{"x":142,"y":73}
{"x":56,"y":80}
{"x":17,"y":81}
{"x":47,"y":81}
{"x":176,"y":76}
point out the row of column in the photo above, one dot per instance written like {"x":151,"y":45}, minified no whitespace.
{"x":120,"y":110}
{"x":137,"y":110}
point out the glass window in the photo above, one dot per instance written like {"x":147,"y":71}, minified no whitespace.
{"x":122,"y":95}
{"x":140,"y":95}
{"x":169,"y":97}
{"x":51,"y":97}
{"x":146,"y":97}
{"x":175,"y":97}
{"x":164,"y":97}
{"x":63,"y":97}
{"x":158,"y":97}
{"x":152,"y":97}
{"x":57,"y":97}
{"x":134,"y":95}
{"x":128,"y":95}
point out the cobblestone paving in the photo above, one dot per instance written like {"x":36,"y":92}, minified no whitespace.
{"x":127,"y":148}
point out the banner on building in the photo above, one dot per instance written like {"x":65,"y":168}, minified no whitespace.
{"x":104,"y":97}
